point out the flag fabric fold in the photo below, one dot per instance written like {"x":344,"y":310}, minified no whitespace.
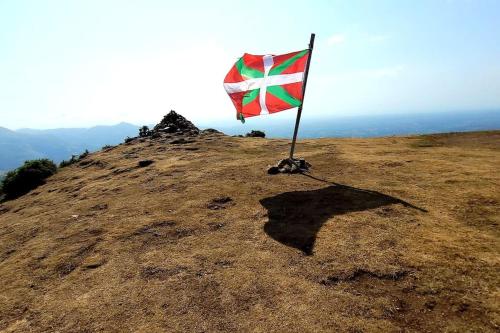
{"x":263,"y":84}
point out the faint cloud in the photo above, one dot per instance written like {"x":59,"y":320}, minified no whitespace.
{"x":364,"y":75}
{"x":390,"y":72}
{"x":335,"y":39}
{"x":378,"y":38}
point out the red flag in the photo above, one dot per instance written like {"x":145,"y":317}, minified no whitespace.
{"x":263,"y":84}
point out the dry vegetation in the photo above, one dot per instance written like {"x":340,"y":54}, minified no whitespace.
{"x":204,"y":240}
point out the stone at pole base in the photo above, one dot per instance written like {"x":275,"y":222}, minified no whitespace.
{"x":287,"y":165}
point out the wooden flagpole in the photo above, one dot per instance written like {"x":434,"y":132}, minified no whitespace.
{"x":299,"y":112}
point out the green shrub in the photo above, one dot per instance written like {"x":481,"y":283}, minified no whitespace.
{"x":73,"y":159}
{"x":2,"y":177}
{"x":144,"y":131}
{"x":256,"y":134}
{"x":66,"y":163}
{"x":84,"y":154}
{"x":27,"y":177}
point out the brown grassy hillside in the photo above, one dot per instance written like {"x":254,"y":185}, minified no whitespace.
{"x":388,"y":234}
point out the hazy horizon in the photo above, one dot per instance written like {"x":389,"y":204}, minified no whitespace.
{"x":278,"y":118}
{"x":487,"y":120}
{"x":60,"y":143}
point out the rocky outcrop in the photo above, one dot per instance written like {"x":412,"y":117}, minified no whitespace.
{"x":211,"y":131}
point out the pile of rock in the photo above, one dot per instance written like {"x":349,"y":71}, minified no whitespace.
{"x":173,"y":127}
{"x":288,"y":165}
{"x":175,"y":123}
{"x":256,"y":134}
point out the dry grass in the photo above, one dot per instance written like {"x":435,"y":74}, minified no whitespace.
{"x":411,"y":242}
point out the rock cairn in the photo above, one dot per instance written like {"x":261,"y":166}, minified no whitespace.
{"x":175,"y":128}
{"x":175,"y":123}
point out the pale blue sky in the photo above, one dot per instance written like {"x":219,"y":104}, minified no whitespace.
{"x":82,"y":63}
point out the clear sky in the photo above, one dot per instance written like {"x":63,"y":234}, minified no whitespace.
{"x":82,"y":63}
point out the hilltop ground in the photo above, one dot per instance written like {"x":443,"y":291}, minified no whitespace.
{"x":203,"y":239}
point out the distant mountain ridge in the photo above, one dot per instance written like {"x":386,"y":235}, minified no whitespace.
{"x":368,"y":125}
{"x":57,"y":144}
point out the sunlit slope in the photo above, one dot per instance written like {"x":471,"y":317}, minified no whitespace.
{"x":383,"y":234}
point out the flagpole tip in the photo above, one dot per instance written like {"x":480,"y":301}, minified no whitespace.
{"x":311,"y":41}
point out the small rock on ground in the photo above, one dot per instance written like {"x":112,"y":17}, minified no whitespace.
{"x":145,"y":163}
{"x":288,"y":166}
